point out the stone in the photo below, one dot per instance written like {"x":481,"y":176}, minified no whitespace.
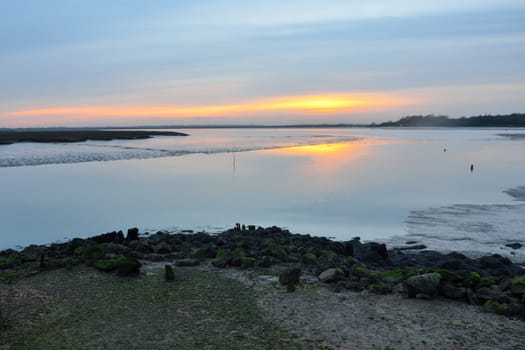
{"x":133,"y":234}
{"x":162,"y":248}
{"x":494,"y":261}
{"x":427,"y":283}
{"x":144,"y":247}
{"x":290,"y":275}
{"x":487,"y":293}
{"x":451,"y":291}
{"x":471,"y":297}
{"x":128,"y":267}
{"x":222,"y":259}
{"x":115,"y":248}
{"x":169,"y":275}
{"x":122,"y":266}
{"x":331,"y":275}
{"x":187,"y":262}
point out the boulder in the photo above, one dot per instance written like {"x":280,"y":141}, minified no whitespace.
{"x":331,"y":275}
{"x":290,"y":276}
{"x":133,"y":234}
{"x":427,"y":283}
{"x":115,"y":248}
{"x":371,"y":253}
{"x":122,"y":266}
{"x":128,"y":267}
{"x":144,"y":247}
{"x":162,"y":248}
{"x":488,"y":293}
{"x":451,"y":291}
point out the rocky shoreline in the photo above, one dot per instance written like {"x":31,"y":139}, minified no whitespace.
{"x":491,"y":281}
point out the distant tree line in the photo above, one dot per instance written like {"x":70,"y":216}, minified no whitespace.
{"x":508,"y":120}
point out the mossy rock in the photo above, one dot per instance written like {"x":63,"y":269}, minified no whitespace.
{"x":472,"y":280}
{"x":122,"y":266}
{"x":362,"y":272}
{"x":380,"y":288}
{"x":92,"y":253}
{"x":517,"y":286}
{"x":393,"y":276}
{"x":273,"y":249}
{"x":328,"y":259}
{"x":495,"y":307}
{"x":222,"y":259}
{"x":204,"y":252}
{"x":310,"y":259}
{"x":413,"y":271}
{"x":290,"y":276}
{"x":447,"y":275}
{"x":14,"y":259}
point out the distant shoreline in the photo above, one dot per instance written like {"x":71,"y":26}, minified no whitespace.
{"x":59,"y":136}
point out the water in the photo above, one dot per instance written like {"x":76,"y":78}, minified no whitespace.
{"x":339,"y":183}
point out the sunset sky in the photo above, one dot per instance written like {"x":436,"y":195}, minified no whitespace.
{"x":126,"y":62}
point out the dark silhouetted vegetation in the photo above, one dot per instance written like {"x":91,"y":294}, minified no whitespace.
{"x":509,"y":120}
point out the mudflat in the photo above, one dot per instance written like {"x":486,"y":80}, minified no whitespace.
{"x":57,"y":136}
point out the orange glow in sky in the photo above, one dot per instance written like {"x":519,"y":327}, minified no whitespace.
{"x":308,"y":104}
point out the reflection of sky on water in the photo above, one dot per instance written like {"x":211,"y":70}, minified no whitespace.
{"x":362,"y":188}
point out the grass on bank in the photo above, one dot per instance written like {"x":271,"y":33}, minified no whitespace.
{"x":81,"y":308}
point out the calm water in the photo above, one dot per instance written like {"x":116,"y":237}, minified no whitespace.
{"x":334,"y":182}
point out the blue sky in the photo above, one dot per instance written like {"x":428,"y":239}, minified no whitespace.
{"x":441,"y":57}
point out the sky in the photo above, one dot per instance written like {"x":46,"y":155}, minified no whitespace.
{"x":130,"y":62}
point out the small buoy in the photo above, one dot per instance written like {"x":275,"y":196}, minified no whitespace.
{"x":471,"y":167}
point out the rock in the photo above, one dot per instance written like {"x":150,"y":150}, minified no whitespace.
{"x":187,"y":262}
{"x":169,"y":276}
{"x":247,"y":262}
{"x":222,"y":259}
{"x":453,"y":292}
{"x":331,"y":275}
{"x":266,"y":261}
{"x":517,"y":285}
{"x":144,"y":247}
{"x":472,"y":280}
{"x":370,"y":253}
{"x":514,"y":245}
{"x":93,"y":253}
{"x":399,"y":289}
{"x":472,"y":298}
{"x":494,"y":261}
{"x":133,"y":234}
{"x":109,"y":237}
{"x":162,"y":248}
{"x":494,"y":307}
{"x":128,"y":267}
{"x":487,"y":293}
{"x":427,"y":283}
{"x":115,"y":248}
{"x":122,"y":266}
{"x":290,"y":276}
